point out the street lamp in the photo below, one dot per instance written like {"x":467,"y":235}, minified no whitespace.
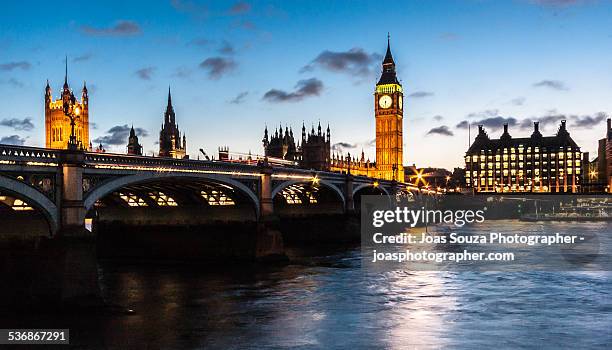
{"x":73,"y":113}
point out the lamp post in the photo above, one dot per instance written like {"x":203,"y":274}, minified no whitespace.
{"x":73,"y":114}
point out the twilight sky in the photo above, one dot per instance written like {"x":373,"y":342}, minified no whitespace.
{"x":235,"y":66}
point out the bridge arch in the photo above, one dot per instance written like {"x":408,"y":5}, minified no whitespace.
{"x":117,"y":183}
{"x":34,"y":198}
{"x":327,"y":184}
{"x":368,"y":185}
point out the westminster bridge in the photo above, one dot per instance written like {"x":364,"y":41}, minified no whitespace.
{"x":66,"y":204}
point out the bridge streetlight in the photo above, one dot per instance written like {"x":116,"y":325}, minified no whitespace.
{"x":72,"y":114}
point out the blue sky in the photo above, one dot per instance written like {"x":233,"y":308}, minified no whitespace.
{"x":472,"y":60}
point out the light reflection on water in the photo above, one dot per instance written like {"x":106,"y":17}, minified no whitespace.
{"x":330,"y":302}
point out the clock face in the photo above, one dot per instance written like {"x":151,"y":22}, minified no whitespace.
{"x":400,"y":98}
{"x":385,"y":101}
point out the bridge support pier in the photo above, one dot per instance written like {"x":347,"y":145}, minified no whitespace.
{"x":269,"y":244}
{"x":348,"y":195}
{"x":73,"y":248}
{"x":265,"y":193}
{"x":269,"y":241}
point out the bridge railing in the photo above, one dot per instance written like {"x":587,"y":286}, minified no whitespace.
{"x":24,"y":154}
{"x":126,"y":161}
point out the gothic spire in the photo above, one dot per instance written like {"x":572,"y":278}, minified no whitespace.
{"x":388,"y":75}
{"x":169,"y":98}
{"x":66,"y":74}
{"x":388,"y":57}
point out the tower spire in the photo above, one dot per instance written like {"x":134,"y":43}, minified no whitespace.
{"x":388,"y":75}
{"x":66,"y":73}
{"x":169,"y":98}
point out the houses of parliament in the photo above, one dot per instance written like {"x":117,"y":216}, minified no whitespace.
{"x":58,"y":128}
{"x":313,"y":150}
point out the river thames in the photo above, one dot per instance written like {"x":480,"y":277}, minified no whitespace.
{"x":327,"y":301}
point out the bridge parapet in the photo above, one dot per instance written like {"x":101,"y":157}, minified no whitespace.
{"x":28,"y":155}
{"x":121,"y":161}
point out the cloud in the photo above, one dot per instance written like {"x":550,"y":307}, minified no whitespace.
{"x":201,"y":42}
{"x":303,"y":88}
{"x":227,"y":49}
{"x":519,"y":101}
{"x":239,"y":98}
{"x":421,"y":94}
{"x":12,"y":140}
{"x":145,"y":73}
{"x":544,"y":121}
{"x":354,"y":61}
{"x":240,"y":8}
{"x":341,"y":146}
{"x":484,"y":114}
{"x":121,"y":28}
{"x":18,"y":124}
{"x":552,"y":118}
{"x":441,"y":130}
{"x":83,"y":57}
{"x":552,"y":84}
{"x":218,"y":66}
{"x":490,"y":123}
{"x":118,"y":135}
{"x":588,"y":121}
{"x":9,"y":66}
{"x":438,"y":118}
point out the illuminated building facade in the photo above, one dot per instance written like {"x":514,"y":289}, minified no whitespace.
{"x":170,"y":142}
{"x":356,"y":166}
{"x":389,"y":111}
{"x":57,"y":124}
{"x":531,"y":164}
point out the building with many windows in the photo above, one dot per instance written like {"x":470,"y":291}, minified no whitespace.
{"x":529,"y":164}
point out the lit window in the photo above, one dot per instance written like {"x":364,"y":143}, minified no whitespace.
{"x":216,"y":197}
{"x":162,"y":199}
{"x":19,"y":205}
{"x":132,"y":200}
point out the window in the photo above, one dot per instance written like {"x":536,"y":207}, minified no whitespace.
{"x":216,"y":197}
{"x":162,"y":199}
{"x":132,"y":200}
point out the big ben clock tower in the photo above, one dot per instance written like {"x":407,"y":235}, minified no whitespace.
{"x":389,"y":111}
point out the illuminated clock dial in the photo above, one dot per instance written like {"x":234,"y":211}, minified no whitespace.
{"x":385,"y":101}
{"x":400,"y":102}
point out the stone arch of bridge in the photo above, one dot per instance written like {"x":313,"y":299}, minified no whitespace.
{"x":364,"y":186}
{"x":33,"y":197}
{"x":280,"y":187}
{"x":116,"y":184}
